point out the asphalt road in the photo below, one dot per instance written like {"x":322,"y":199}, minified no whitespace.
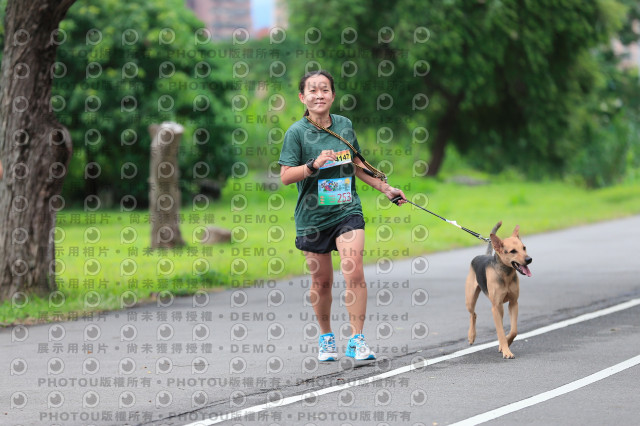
{"x":201,"y":359}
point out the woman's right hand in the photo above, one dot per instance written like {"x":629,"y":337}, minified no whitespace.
{"x":324,"y":156}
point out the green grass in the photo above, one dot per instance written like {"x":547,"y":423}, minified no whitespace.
{"x":262,"y":248}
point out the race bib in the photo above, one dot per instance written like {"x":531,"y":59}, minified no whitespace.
{"x":334,"y":191}
{"x":342,"y":157}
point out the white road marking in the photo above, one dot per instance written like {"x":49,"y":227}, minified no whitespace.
{"x":215,"y":419}
{"x":545,"y":396}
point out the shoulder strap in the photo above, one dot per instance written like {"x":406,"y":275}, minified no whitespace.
{"x":370,"y":170}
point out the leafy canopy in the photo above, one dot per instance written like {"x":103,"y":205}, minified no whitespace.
{"x":501,"y":80}
{"x":123,"y":65}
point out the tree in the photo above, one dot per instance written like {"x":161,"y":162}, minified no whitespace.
{"x":123,"y":66}
{"x":119,"y":67}
{"x":498,"y":79}
{"x":35,"y":148}
{"x":607,"y":121}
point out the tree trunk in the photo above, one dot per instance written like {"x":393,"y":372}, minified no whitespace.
{"x":445,"y":128}
{"x":164,"y":191}
{"x":34,"y":148}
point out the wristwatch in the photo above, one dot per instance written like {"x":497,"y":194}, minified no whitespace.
{"x":310,"y":165}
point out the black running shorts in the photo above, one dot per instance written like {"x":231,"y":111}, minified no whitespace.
{"x":325,"y":241}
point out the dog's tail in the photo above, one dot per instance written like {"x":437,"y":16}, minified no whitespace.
{"x":493,"y":231}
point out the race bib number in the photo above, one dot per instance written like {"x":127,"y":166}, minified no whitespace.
{"x":342,"y":157}
{"x":334,"y":191}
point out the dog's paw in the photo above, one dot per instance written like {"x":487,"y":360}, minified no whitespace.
{"x":508,"y":354}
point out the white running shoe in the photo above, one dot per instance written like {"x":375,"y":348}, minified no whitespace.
{"x":327,"y":347}
{"x":357,"y":348}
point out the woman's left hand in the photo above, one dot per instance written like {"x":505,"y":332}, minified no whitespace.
{"x":392,"y":193}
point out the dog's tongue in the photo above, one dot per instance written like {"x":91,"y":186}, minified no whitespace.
{"x":526,"y":270}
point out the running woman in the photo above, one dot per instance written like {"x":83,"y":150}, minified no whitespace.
{"x":328,"y":212}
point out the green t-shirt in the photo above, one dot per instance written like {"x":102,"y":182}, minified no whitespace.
{"x":328,"y":196}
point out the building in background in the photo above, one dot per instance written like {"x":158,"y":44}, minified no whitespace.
{"x":223,"y":17}
{"x":629,"y":55}
{"x":281,"y":14}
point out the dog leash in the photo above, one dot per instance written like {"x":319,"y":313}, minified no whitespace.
{"x":370,"y":170}
{"x":453,"y":222}
{"x":373,"y":172}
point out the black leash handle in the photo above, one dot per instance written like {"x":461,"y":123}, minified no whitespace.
{"x":367,"y":171}
{"x":396,"y":201}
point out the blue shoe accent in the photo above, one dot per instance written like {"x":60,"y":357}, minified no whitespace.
{"x":358,"y":349}
{"x":327,"y":347}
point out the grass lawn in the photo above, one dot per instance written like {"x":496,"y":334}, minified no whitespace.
{"x":104,"y":262}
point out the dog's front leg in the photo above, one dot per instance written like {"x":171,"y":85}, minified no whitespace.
{"x":513,"y":317}
{"x":498,"y":313}
{"x":472,"y":291}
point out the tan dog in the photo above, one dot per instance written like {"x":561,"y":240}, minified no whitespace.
{"x":496,"y":277}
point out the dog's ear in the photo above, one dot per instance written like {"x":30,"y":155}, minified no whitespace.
{"x":516,"y":232}
{"x":496,"y":242}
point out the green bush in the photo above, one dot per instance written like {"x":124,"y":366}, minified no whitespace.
{"x":123,"y":66}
